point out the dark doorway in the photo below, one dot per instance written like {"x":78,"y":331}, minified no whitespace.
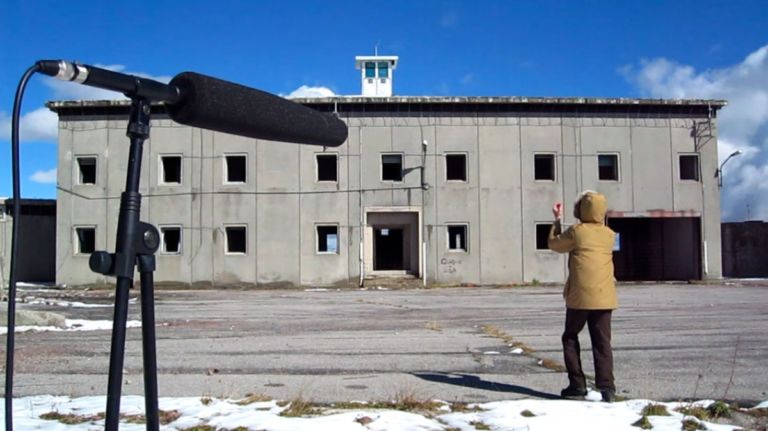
{"x":388,"y":249}
{"x":653,"y":249}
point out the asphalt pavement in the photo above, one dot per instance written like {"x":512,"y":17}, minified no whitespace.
{"x":671,"y":342}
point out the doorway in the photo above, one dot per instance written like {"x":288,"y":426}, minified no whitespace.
{"x":388,"y":249}
{"x":392,"y":238}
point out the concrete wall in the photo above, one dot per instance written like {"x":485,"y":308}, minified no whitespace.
{"x":281,"y":203}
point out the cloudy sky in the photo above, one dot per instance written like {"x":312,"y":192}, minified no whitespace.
{"x":680,"y":49}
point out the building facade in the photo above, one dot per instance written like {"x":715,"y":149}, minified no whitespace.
{"x":448,"y":190}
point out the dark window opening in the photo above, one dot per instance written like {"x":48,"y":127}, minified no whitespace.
{"x":87,"y":170}
{"x":456,"y":167}
{"x":457,"y":238}
{"x":544,"y":167}
{"x":171,"y":239}
{"x":236,"y":236}
{"x":542,"y":236}
{"x":383,"y":69}
{"x":171,"y":166}
{"x":689,"y":167}
{"x":608,"y":167}
{"x":392,"y":167}
{"x":86,"y":240}
{"x":235,"y":166}
{"x":327,"y":167}
{"x":370,"y":69}
{"x":327,"y":239}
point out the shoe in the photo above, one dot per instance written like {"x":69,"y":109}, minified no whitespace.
{"x":609,"y":395}
{"x":572,"y":392}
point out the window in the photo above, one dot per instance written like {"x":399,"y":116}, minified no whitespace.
{"x":86,"y":240}
{"x":236,"y":236}
{"x":383,"y":69}
{"x":542,"y":236}
{"x":391,"y":167}
{"x":370,"y":69}
{"x":608,"y":167}
{"x":689,"y":167}
{"x":327,"y":167}
{"x":170,"y":169}
{"x":171,"y":239}
{"x":234,"y":169}
{"x":328,"y":239}
{"x":456,"y":167}
{"x":86,"y":167}
{"x":457,"y":237}
{"x":544,"y":167}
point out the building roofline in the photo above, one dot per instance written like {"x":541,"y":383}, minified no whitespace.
{"x":59,"y":105}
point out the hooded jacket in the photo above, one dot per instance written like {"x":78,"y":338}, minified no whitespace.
{"x":591,"y":284}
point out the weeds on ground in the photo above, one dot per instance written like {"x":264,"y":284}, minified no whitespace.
{"x":698,"y":412}
{"x":652,"y":409}
{"x":643,"y":423}
{"x":433,"y":326}
{"x":527,"y":414}
{"x":202,"y":427}
{"x":693,"y":425}
{"x":458,"y":407}
{"x":496,"y":332}
{"x":253,"y":398}
{"x":299,"y":407}
{"x":165,"y":417}
{"x":719,"y":409}
{"x":552,"y":365}
{"x":480,"y":425}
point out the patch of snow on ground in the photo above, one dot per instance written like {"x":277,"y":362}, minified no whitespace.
{"x":73,"y":304}
{"x":73,"y":325}
{"x":541,"y":415}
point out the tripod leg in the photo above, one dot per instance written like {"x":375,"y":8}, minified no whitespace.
{"x":117,"y":354}
{"x":146,"y":268}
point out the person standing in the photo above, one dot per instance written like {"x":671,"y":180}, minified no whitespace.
{"x":590,"y":291}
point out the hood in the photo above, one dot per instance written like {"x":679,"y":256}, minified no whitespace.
{"x":591,"y":207}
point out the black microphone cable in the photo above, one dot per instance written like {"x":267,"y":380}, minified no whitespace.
{"x":11,"y":338}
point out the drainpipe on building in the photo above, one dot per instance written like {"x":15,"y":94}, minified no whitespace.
{"x":424,"y":188}
{"x":361,"y":254}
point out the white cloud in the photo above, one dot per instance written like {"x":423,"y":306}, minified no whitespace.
{"x":44,"y":177}
{"x":467,"y":79}
{"x":743,"y":124}
{"x":63,"y":90}
{"x":39,"y":125}
{"x":306,"y":91}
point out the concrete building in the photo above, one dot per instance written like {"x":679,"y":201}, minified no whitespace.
{"x":446,"y":190}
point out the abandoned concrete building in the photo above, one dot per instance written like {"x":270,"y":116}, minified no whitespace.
{"x":441,"y":190}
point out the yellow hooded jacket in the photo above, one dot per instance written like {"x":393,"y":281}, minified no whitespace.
{"x":591,"y":284}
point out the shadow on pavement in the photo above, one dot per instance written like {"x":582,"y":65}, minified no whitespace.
{"x":470,"y":381}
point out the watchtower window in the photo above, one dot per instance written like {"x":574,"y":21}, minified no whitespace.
{"x":170,"y":167}
{"x":383,"y":69}
{"x":391,"y":167}
{"x":608,"y":167}
{"x":689,"y":167}
{"x":86,"y":167}
{"x":544,"y":167}
{"x":370,"y":69}
{"x":86,"y":240}
{"x":327,"y":167}
{"x":234,"y":168}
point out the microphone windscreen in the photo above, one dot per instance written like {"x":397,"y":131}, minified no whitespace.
{"x":214,"y":104}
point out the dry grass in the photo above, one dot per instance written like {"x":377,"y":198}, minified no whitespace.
{"x":253,"y":398}
{"x":199,"y":428}
{"x":692,"y":425}
{"x":496,"y":332}
{"x":643,"y":423}
{"x":527,"y":414}
{"x":434,"y":326}
{"x":699,"y":413}
{"x":480,"y":425}
{"x":464,"y":408}
{"x":71,"y":418}
{"x":552,"y":365}
{"x":410,"y":402}
{"x":652,"y":409}
{"x":300,"y":407}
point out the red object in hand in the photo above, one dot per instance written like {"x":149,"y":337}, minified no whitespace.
{"x":557,"y":209}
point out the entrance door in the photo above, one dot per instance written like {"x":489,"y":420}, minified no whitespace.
{"x":388,"y":249}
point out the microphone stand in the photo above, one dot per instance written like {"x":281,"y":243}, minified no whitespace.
{"x":135,"y":246}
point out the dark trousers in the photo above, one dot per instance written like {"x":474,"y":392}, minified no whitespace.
{"x":599,"y":323}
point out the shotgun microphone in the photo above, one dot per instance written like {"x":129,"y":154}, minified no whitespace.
{"x":210,"y":103}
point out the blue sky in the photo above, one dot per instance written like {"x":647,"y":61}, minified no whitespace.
{"x":533,"y":48}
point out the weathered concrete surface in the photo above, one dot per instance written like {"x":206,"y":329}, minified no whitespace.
{"x":671,"y":342}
